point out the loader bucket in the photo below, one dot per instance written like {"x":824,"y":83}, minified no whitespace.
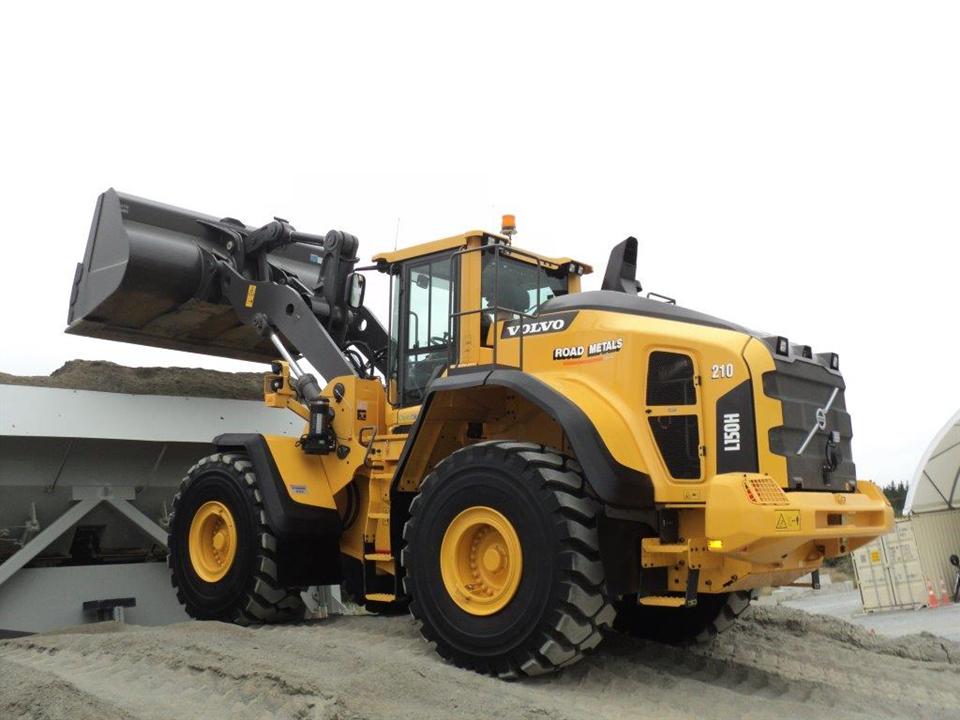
{"x":146,"y":279}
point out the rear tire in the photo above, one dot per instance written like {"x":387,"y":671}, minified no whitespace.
{"x":713,"y":614}
{"x":246,"y":590}
{"x":556,"y":607}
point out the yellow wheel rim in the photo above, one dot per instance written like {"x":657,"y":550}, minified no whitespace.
{"x":481,"y":561}
{"x":213,"y":541}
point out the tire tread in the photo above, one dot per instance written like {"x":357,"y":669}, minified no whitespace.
{"x":581,"y":612}
{"x":264,"y":599}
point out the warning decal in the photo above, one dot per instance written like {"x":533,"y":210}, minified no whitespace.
{"x":787,"y":520}
{"x":251,"y":294}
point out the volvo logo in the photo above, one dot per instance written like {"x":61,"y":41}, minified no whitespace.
{"x":821,"y":421}
{"x":551,"y":324}
{"x":536,"y":328}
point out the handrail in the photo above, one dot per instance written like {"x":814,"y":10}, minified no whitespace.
{"x":496,"y":307}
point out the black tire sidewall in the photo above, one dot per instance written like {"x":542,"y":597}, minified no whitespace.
{"x":495,"y":481}
{"x":204,"y":599}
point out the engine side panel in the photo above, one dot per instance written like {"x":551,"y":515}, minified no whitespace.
{"x":587,"y":371}
{"x":602,"y":363}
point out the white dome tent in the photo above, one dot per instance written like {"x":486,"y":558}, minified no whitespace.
{"x":933,"y":503}
{"x":936,"y":482}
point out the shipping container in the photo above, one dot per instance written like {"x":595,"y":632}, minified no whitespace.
{"x":938,"y":537}
{"x":889,"y":571}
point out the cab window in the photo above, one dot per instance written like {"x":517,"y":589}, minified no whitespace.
{"x":515,"y":286}
{"x":523,"y":287}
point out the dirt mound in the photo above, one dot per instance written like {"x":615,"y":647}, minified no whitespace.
{"x":775,"y":663}
{"x":109,"y":377}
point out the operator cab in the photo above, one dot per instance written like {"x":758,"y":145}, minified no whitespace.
{"x":449,"y":297}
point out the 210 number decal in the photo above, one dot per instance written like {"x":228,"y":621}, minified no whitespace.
{"x":721,"y":371}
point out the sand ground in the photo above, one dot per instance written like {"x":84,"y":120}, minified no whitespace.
{"x":776,"y":663}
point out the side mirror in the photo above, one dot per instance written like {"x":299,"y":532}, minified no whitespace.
{"x":954,"y":560}
{"x":356,"y":287}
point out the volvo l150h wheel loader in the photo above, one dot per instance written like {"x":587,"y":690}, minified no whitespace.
{"x":518,"y":463}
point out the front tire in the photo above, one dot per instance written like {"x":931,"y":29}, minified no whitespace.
{"x":222,"y":553}
{"x":502,"y":560}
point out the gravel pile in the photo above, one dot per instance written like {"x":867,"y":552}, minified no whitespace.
{"x":109,"y":377}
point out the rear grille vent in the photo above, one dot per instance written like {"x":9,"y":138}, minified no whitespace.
{"x":764,"y":491}
{"x":678,"y":438}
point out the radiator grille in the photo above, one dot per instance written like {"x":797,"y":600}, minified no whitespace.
{"x":764,"y":491}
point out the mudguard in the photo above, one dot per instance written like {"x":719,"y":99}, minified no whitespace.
{"x":615,"y":484}
{"x":288,"y":519}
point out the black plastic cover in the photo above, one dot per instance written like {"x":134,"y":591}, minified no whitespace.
{"x":736,"y":430}
{"x":804,"y":388}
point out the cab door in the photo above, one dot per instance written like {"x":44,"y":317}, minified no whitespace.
{"x":424,"y":298}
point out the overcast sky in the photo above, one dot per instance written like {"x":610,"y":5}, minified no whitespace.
{"x":792,"y":168}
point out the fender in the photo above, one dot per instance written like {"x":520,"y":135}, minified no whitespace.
{"x":288,"y":519}
{"x":615,"y":484}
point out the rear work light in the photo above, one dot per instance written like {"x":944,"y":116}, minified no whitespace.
{"x":831,"y":360}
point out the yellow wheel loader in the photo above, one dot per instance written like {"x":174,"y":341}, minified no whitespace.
{"x":518,"y":463}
